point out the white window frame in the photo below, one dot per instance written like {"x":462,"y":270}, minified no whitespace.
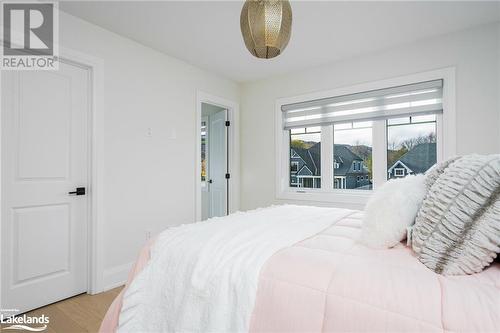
{"x":445,"y":133}
{"x":296,"y":164}
{"x":401,"y":172}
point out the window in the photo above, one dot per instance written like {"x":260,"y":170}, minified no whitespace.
{"x":305,"y":157}
{"x":411,"y":145}
{"x":399,"y":172}
{"x":352,"y":144}
{"x":353,"y":140}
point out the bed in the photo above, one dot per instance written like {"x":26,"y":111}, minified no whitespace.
{"x":328,"y":282}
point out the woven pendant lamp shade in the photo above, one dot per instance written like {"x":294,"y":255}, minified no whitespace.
{"x":266,"y":26}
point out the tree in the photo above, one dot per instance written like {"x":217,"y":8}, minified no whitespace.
{"x":393,"y":145}
{"x":299,"y":144}
{"x":411,"y":143}
{"x":394,"y":155}
{"x":369,"y":165}
{"x":398,"y":149}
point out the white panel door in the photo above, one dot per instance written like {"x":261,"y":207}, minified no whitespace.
{"x":218,"y":164}
{"x":44,"y":156}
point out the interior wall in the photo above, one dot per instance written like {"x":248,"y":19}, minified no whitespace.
{"x":148,"y":180}
{"x":498,"y":78}
{"x":474,"y":54}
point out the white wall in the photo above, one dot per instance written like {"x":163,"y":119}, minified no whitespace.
{"x":498,"y":79}
{"x":148,"y":181}
{"x":474,"y":53}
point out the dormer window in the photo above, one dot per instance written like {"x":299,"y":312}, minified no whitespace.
{"x":399,"y":172}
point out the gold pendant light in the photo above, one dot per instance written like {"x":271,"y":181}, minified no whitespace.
{"x":266,"y":26}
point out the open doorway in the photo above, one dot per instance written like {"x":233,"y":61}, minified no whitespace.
{"x":214,"y":161}
{"x":217,"y":156}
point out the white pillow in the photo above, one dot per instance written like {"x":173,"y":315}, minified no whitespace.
{"x":457,"y":230}
{"x":391,"y":209}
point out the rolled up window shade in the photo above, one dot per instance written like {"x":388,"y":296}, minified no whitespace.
{"x":412,"y":99}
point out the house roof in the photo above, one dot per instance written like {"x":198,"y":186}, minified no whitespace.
{"x":420,"y":158}
{"x":315,"y":153}
{"x":342,"y":154}
{"x":307,"y":158}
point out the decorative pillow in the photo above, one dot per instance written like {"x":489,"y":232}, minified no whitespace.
{"x":431,"y":176}
{"x":390,"y":210}
{"x":433,"y":173}
{"x":457,"y":230}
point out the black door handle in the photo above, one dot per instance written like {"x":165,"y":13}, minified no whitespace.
{"x":79,"y":191}
{"x":210,"y":181}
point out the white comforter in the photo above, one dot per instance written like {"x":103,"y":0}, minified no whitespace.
{"x":203,"y":277}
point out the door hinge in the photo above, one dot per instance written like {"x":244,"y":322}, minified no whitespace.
{"x":228,"y":123}
{"x":228,"y":176}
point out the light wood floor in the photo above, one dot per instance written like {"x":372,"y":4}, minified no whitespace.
{"x":82,"y":313}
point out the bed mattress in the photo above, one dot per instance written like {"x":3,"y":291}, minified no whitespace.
{"x":331,"y":283}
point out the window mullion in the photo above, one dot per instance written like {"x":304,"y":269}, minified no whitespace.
{"x":327,"y":157}
{"x":440,"y":139}
{"x":379,"y":157}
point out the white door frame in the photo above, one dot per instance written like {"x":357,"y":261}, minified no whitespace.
{"x":95,"y":67}
{"x":232,"y":150}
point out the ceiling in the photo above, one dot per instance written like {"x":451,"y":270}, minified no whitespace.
{"x":207,"y":33}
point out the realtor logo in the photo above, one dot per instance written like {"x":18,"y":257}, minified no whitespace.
{"x":29,"y":36}
{"x":24,"y":322}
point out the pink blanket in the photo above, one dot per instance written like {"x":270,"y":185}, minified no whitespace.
{"x":330,"y":283}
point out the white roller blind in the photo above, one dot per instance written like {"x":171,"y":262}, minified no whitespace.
{"x":413,"y":99}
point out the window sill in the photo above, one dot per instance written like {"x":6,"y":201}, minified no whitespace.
{"x":332,"y":196}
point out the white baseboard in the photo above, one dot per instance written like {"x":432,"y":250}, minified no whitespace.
{"x":116,"y":276}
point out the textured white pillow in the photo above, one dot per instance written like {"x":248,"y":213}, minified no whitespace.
{"x":457,"y":230}
{"x":391,"y":209}
{"x":432,"y":175}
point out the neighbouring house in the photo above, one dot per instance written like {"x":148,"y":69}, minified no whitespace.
{"x":350,"y":171}
{"x":305,"y":167}
{"x":417,"y":160}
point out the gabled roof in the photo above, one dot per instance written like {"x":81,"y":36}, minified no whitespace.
{"x":304,"y":171}
{"x":315,"y":154}
{"x":420,"y":158}
{"x":306,"y":156}
{"x":399,"y":165}
{"x":345,"y":157}
{"x":342,"y":154}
